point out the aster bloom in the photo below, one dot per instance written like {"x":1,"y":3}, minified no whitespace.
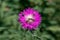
{"x":29,"y":19}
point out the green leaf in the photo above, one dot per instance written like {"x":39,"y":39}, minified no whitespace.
{"x":54,"y":28}
{"x":49,"y":10}
{"x":10,"y":20}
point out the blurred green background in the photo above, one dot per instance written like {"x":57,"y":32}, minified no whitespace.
{"x":10,"y":28}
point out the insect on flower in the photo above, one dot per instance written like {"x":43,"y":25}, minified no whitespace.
{"x":29,"y":19}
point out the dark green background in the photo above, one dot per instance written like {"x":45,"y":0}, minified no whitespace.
{"x":10,"y":28}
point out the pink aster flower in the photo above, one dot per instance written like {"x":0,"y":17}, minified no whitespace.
{"x":29,"y":19}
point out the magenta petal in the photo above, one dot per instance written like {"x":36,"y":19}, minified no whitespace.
{"x":30,"y":22}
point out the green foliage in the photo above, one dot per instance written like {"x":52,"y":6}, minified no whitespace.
{"x":10,"y":28}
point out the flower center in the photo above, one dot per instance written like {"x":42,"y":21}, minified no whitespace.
{"x":29,"y":18}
